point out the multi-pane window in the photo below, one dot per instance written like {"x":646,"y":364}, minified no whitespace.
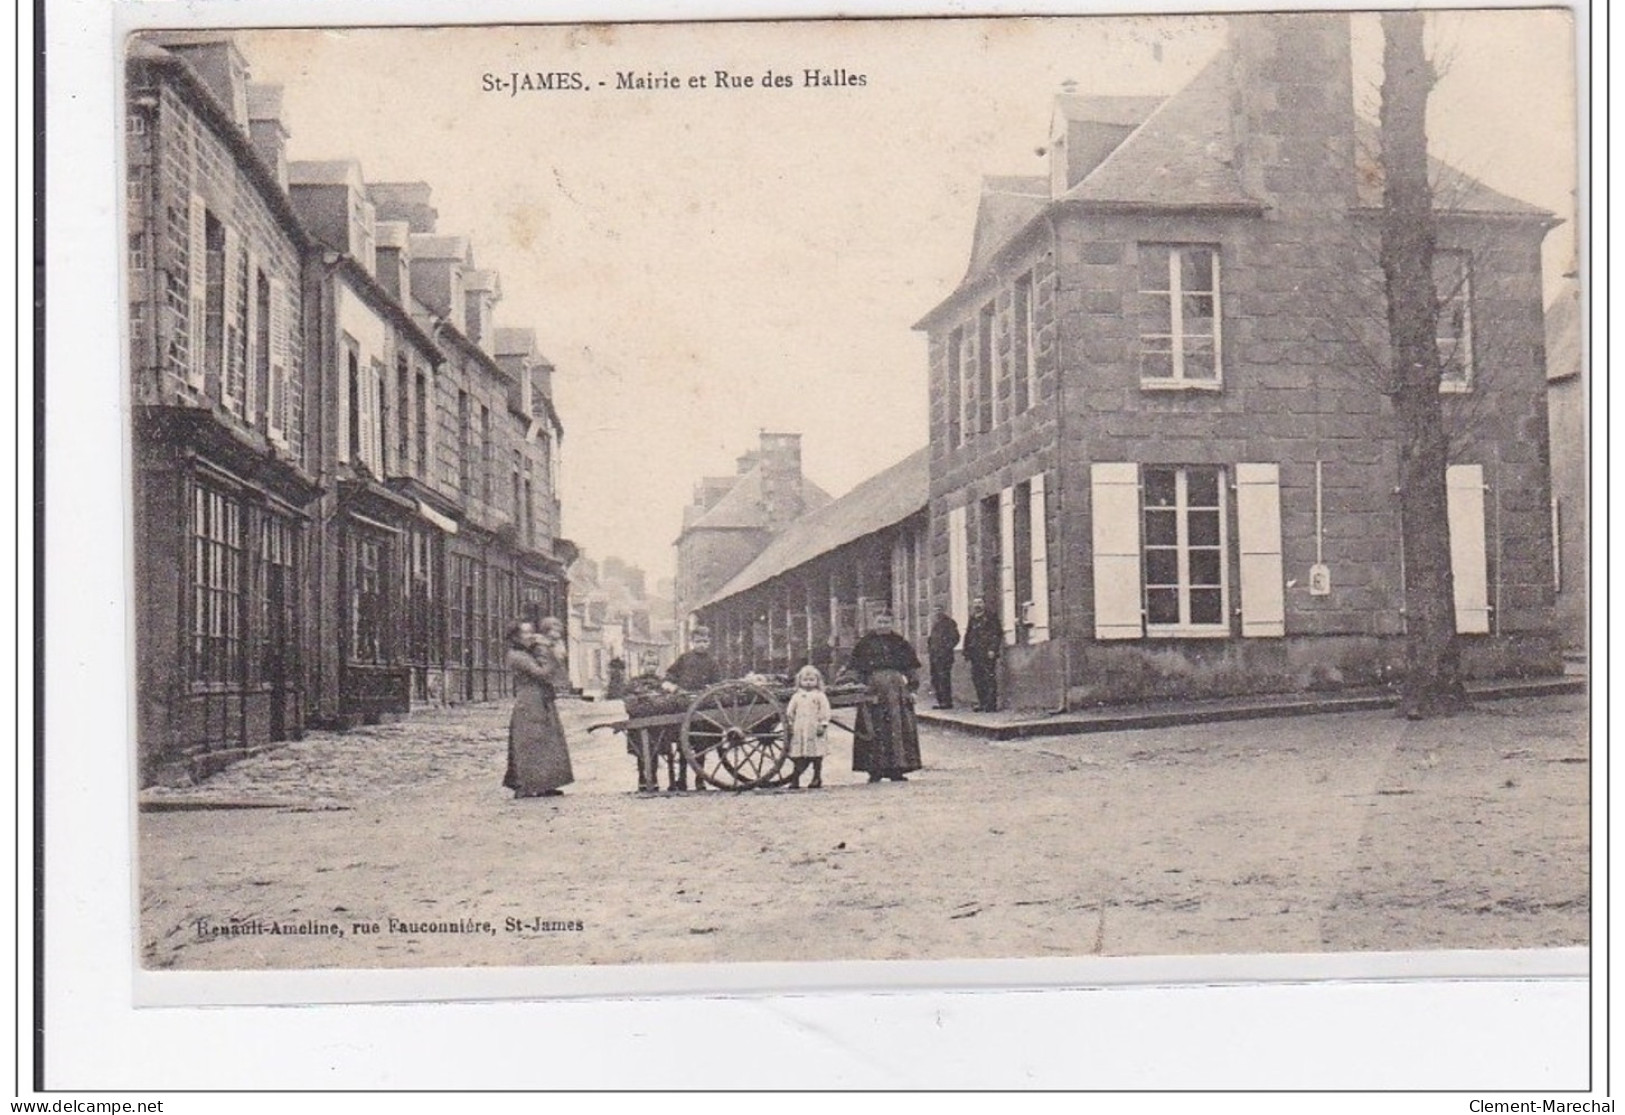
{"x":138,"y":252}
{"x":955,"y":392}
{"x":1179,"y":335}
{"x":1184,"y":547}
{"x":366,"y":599}
{"x":1024,"y":348}
{"x":1453,"y":287}
{"x":984,"y":369}
{"x":275,"y":595}
{"x":217,"y":586}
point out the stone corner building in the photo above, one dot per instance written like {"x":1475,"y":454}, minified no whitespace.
{"x":1159,"y":449}
{"x":344,"y":470}
{"x":732,"y":519}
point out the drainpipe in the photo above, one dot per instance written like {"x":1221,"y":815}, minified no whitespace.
{"x":1058,"y":569}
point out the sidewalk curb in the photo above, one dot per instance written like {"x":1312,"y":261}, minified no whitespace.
{"x":1073,"y":724}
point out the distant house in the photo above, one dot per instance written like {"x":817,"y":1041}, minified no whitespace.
{"x":1566,"y":418}
{"x":1157,"y":450}
{"x":817,"y":585}
{"x":732,"y":518}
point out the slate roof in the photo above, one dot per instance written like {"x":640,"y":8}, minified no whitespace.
{"x":1122,"y":111}
{"x":1454,"y":191}
{"x":883,"y":500}
{"x":1181,"y":156}
{"x":1007,"y":205}
{"x":741,"y":508}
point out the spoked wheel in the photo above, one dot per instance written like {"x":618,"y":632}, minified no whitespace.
{"x":734,"y":736}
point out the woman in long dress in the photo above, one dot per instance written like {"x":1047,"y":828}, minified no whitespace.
{"x":538,"y":758}
{"x":887,"y":743}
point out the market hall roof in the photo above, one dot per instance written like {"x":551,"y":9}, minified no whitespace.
{"x":883,"y":500}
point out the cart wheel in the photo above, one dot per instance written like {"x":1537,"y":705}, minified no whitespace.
{"x":734,"y":737}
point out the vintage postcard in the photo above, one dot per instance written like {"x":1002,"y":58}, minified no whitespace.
{"x":615,"y":496}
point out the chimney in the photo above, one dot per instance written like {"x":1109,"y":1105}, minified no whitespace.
{"x":405,"y":201}
{"x":780,"y":460}
{"x":265,"y":130}
{"x":481,"y":291}
{"x":395,"y":260}
{"x":1292,"y":110}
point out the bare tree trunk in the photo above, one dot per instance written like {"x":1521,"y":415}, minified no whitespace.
{"x":1433,"y":681}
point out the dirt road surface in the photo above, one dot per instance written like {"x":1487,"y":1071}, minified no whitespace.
{"x":1346,"y":832}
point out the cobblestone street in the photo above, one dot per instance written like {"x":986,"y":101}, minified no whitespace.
{"x":1357,"y":831}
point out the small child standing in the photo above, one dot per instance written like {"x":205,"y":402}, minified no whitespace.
{"x":807,"y":720}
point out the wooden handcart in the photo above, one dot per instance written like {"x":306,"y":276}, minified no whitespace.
{"x":732,"y":736}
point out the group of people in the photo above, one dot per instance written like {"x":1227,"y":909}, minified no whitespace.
{"x":886,"y":740}
{"x":984,"y":639}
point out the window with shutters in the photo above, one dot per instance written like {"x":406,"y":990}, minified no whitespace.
{"x":989,"y":551}
{"x":1179,"y":331}
{"x":1453,"y":287}
{"x":214,"y":302}
{"x":420,"y":404}
{"x":278,"y":405}
{"x":465,"y":455}
{"x":403,"y":413}
{"x":487,"y":461}
{"x":1183,"y":528}
{"x":1021,"y":558}
{"x":352,"y":401}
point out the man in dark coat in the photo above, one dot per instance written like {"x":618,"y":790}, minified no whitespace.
{"x":940,"y":646}
{"x":694,"y":670}
{"x":984,"y":640}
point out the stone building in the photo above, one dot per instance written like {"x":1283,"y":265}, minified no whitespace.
{"x":733,"y":517}
{"x":1158,"y":449}
{"x":817,"y":585}
{"x":343,"y":469}
{"x":445,"y":444}
{"x":223,"y":475}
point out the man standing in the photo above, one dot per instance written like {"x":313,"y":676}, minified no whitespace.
{"x":695,"y":670}
{"x":940,"y":646}
{"x":983,"y":641}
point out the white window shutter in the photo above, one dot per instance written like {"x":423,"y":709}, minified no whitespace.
{"x":1114,"y":489}
{"x":1258,"y":517}
{"x":229,"y":267}
{"x":1007,"y":564}
{"x":251,"y":331}
{"x":1464,"y":489}
{"x":197,"y":278}
{"x":1039,"y":631}
{"x":958,"y":571}
{"x":276,"y":405}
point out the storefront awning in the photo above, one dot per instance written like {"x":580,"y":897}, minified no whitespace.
{"x":444,"y":522}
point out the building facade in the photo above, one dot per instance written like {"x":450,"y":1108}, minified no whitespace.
{"x":733,"y":518}
{"x":818,"y":584}
{"x":1160,"y":447}
{"x":222,"y":475}
{"x":344,"y":469}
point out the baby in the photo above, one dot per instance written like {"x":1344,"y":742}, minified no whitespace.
{"x":807,"y":719}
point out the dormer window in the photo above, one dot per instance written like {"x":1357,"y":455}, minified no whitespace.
{"x":1179,"y":333}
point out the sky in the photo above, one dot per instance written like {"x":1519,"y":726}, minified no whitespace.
{"x":701,"y":264}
